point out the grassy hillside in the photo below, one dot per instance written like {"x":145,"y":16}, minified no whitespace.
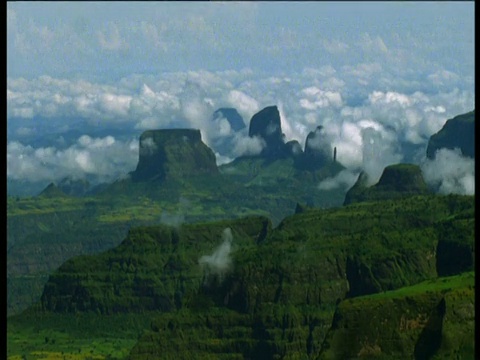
{"x":434,"y":319}
{"x":94,"y":224}
{"x":279,"y":297}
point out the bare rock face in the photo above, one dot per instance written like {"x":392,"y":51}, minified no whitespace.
{"x":318,"y":149}
{"x":232,"y":116}
{"x":173,"y":153}
{"x":266,"y":125}
{"x":458,"y":132}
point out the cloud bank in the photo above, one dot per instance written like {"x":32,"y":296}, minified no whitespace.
{"x":369,"y":134}
{"x":450,"y":172}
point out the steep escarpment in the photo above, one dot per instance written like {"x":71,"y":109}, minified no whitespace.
{"x":434,"y":319}
{"x":318,"y":151}
{"x":279,"y":294}
{"x":173,"y":153}
{"x":400,"y":180}
{"x":232,"y":116}
{"x":153,"y":268}
{"x":266,"y":125}
{"x":458,"y":132}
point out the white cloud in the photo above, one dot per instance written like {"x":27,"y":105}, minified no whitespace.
{"x":443,"y":77}
{"x":245,"y":104}
{"x":188,"y":99}
{"x":103,"y":158}
{"x":245,"y":145}
{"x":450,"y":172}
{"x":380,"y":149}
{"x":335,"y":46}
{"x":375,"y":44}
{"x":154,"y":34}
{"x":345,"y":179}
{"x":220,"y":261}
{"x":389,"y":97}
{"x":110,"y":38}
{"x":222,"y":159}
{"x":316,"y":98}
{"x":147,"y":146}
{"x":116,"y":105}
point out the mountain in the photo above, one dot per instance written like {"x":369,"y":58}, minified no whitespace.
{"x":52,"y":191}
{"x":176,"y":182}
{"x":173,"y":153}
{"x":266,"y":125}
{"x":234,"y":119}
{"x":400,"y":180}
{"x":458,"y":132}
{"x":318,"y":151}
{"x":243,"y":288}
{"x":74,"y":187}
{"x":226,"y":125}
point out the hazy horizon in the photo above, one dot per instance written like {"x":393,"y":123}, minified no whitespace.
{"x":85,"y":79}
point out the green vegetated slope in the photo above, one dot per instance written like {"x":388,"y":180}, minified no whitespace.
{"x":279,"y":298}
{"x":434,"y":319}
{"x":45,"y":231}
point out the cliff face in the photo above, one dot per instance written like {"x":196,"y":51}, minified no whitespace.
{"x":266,"y":125}
{"x":280,"y":292}
{"x":173,"y":154}
{"x":458,"y":132}
{"x":317,"y":147}
{"x":232,"y":116}
{"x":434,"y":319}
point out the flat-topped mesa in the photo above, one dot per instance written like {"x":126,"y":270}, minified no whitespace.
{"x":403,"y":178}
{"x":399,"y":180}
{"x":173,"y":153}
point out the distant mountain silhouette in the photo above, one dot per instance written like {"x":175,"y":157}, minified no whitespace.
{"x":458,"y":132}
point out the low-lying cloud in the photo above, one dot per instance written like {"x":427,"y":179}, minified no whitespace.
{"x":104,"y":159}
{"x":326,"y":96}
{"x":450,"y":172}
{"x":220,"y":261}
{"x":344,"y":180}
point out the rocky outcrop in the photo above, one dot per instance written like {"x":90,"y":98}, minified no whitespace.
{"x":458,"y":132}
{"x":400,"y":180}
{"x":232,"y":116}
{"x":266,"y":124}
{"x":226,"y":124}
{"x":318,"y":151}
{"x":173,"y":153}
{"x":318,"y":148}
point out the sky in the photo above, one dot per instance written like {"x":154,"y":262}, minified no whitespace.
{"x":84,"y":79}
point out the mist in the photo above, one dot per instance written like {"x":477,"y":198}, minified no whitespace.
{"x":219,"y":262}
{"x":450,"y":172}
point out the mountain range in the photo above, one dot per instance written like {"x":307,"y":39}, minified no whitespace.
{"x":238,"y":267}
